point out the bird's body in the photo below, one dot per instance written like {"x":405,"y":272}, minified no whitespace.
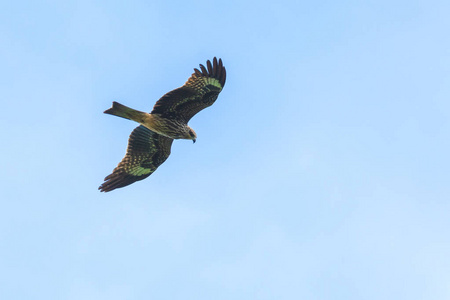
{"x":149,"y":144}
{"x":171,"y":128}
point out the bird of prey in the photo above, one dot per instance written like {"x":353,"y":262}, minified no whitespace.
{"x":149,"y":144}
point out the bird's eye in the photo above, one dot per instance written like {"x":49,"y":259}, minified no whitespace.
{"x":191,"y":134}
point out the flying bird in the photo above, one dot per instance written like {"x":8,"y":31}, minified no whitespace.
{"x":149,"y":144}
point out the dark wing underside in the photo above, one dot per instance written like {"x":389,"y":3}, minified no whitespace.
{"x":200,"y":91}
{"x":146,"y":151}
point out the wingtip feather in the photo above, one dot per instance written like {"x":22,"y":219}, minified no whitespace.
{"x":223,"y":77}
{"x":215,"y":69}
{"x":210,"y":68}
{"x":204,"y":71}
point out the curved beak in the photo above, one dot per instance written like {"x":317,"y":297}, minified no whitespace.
{"x":193,"y":141}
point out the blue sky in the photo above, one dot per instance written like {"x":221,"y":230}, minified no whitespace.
{"x":322,"y":171}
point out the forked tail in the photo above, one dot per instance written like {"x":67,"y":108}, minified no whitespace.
{"x":126,"y":112}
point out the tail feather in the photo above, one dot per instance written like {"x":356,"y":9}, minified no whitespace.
{"x":126,"y":112}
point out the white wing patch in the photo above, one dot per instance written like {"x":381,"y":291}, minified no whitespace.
{"x":139,"y":171}
{"x":212,"y":81}
{"x":200,"y":83}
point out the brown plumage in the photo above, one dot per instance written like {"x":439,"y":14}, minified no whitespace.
{"x":150,"y":143}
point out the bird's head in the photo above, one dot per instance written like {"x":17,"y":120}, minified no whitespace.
{"x":191,"y":135}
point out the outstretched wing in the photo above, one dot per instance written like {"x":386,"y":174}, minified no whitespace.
{"x":200,"y":91}
{"x":146,"y":151}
